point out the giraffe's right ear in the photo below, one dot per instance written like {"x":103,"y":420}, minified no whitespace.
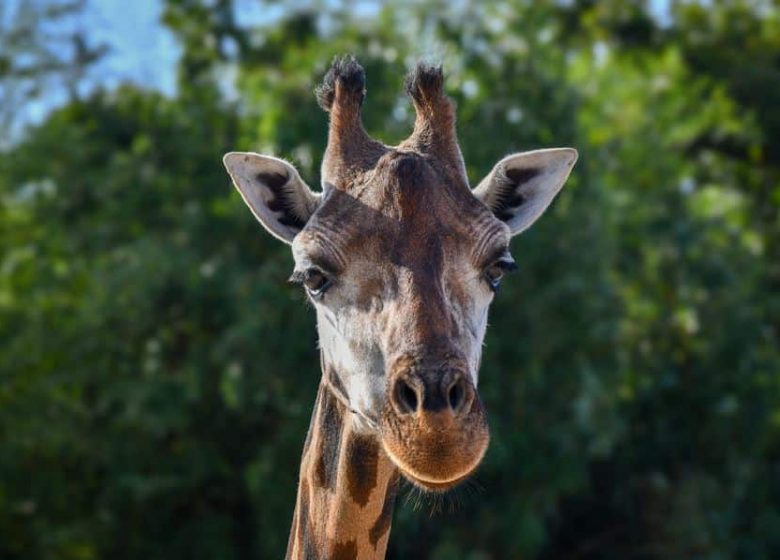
{"x":274,"y":191}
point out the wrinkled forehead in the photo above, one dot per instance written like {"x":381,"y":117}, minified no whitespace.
{"x":404,"y":211}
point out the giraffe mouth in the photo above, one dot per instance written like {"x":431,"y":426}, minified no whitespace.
{"x":432,"y":486}
{"x":425,"y":482}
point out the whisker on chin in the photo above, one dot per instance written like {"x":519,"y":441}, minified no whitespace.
{"x":413,"y":495}
{"x":449,"y":501}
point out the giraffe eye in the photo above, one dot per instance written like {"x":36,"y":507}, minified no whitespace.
{"x":494,"y":273}
{"x":315,"y":282}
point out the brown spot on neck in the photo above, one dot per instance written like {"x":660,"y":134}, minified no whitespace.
{"x":362,"y":455}
{"x":345,"y":551}
{"x":329,"y":440}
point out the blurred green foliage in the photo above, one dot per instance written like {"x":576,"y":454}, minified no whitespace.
{"x":157,"y":374}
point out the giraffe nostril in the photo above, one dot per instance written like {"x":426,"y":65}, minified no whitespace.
{"x":460,"y":396}
{"x":456,"y":394}
{"x":405,"y":397}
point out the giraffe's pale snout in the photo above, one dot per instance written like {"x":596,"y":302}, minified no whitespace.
{"x":434,"y":427}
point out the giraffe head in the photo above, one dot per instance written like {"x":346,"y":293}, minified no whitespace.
{"x":401,"y":260}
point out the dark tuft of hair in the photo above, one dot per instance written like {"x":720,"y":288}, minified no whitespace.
{"x":347,"y":70}
{"x":425,"y":81}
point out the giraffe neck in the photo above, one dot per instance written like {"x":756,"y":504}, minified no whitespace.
{"x":346,"y":490}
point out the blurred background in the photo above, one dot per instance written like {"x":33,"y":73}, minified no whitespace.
{"x":157,"y":372}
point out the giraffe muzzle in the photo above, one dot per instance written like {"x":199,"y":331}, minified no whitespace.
{"x":434,"y":427}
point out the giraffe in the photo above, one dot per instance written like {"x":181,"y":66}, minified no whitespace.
{"x":401,"y":260}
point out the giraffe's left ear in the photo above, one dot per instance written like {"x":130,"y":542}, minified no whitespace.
{"x":521,"y":186}
{"x":274,"y":191}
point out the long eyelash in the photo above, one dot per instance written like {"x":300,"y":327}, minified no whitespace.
{"x":297,"y":277}
{"x":507,"y":265}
